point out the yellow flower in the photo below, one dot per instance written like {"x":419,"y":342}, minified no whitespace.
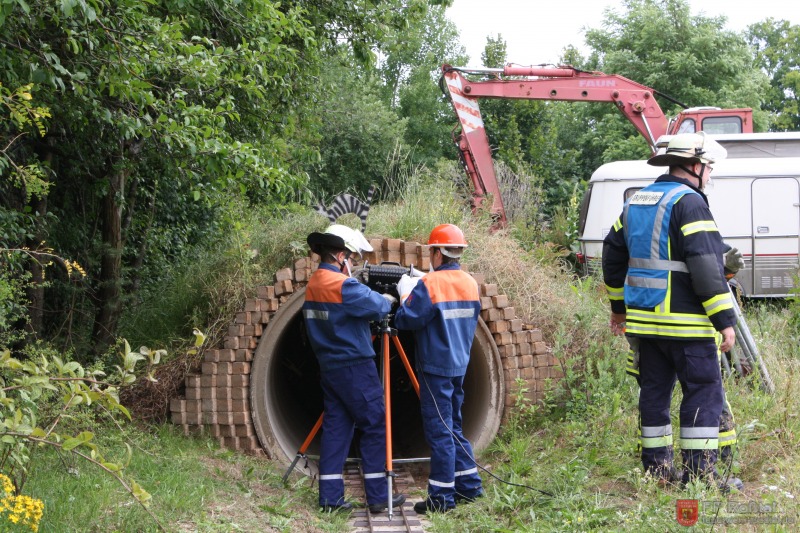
{"x":20,"y":509}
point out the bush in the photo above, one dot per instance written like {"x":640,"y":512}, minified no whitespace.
{"x":42,"y":393}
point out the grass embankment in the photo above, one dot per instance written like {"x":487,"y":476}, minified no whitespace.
{"x":577,"y":446}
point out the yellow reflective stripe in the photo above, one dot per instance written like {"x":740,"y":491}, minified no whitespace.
{"x":700,"y":225}
{"x":699,"y":438}
{"x":699,"y":444}
{"x":618,"y":224}
{"x":655,"y":316}
{"x":727,"y":438}
{"x":656,"y":442}
{"x":718,"y":303}
{"x":643,"y":322}
{"x":615,"y":293}
{"x":668,"y":331}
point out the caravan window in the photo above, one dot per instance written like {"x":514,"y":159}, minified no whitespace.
{"x":630,"y":192}
{"x":584,"y":210}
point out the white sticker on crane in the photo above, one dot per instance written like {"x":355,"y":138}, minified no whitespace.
{"x":646,"y":198}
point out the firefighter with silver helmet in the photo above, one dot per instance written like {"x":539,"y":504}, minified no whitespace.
{"x":337,"y":312}
{"x":442,"y":309}
{"x":664,"y":273}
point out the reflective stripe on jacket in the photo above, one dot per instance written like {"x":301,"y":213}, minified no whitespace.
{"x":443,"y":311}
{"x":337,"y":311}
{"x":662,"y":264}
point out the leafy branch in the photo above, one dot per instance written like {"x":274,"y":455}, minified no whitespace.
{"x":26,"y":386}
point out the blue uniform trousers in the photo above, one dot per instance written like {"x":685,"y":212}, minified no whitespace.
{"x":453,"y":468}
{"x":353,"y":396}
{"x":696,"y":367}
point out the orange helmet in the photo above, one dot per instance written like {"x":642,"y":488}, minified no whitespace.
{"x":449,"y":238}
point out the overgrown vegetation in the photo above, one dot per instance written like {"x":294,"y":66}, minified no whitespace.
{"x":173,"y":151}
{"x":577,"y":445}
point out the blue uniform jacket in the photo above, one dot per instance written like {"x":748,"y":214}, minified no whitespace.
{"x":697,"y":300}
{"x":443,"y":311}
{"x":337,"y":311}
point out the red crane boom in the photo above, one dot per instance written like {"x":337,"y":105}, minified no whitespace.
{"x":634,"y":100}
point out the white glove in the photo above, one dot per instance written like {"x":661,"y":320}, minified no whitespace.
{"x":733,"y":260}
{"x":416,"y":273}
{"x":389,"y":298}
{"x":405,"y":286}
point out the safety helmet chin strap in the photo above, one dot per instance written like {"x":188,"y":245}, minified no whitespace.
{"x":343,"y":265}
{"x":691,"y":172}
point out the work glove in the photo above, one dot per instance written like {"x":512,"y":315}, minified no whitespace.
{"x":361,"y":275}
{"x":405,"y":286}
{"x":632,"y":366}
{"x":389,"y":298}
{"x":733,"y":261}
{"x":416,"y":273}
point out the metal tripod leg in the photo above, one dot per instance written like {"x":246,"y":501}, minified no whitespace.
{"x":748,"y":346}
{"x":387,"y":392}
{"x":302,"y":451}
{"x":406,"y":364}
{"x":387,"y":332}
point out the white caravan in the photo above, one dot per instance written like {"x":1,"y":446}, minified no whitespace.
{"x":754,"y":196}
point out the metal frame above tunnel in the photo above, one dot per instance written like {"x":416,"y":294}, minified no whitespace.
{"x":286,"y":400}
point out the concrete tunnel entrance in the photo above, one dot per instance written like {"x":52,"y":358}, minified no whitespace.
{"x":286,"y":399}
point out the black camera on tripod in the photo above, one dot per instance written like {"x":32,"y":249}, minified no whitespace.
{"x":383,"y":278}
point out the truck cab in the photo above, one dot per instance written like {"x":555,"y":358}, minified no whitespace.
{"x":713,"y":120}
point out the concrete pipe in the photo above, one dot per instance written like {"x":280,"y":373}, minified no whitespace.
{"x":286,"y":398}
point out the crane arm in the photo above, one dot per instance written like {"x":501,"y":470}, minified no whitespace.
{"x":635,"y":101}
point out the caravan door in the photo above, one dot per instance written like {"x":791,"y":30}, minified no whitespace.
{"x":776,"y":235}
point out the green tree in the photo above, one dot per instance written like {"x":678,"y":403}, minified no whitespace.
{"x":420,"y":53}
{"x":777,"y":45}
{"x":194,"y":97}
{"x":658,"y":43}
{"x":693,"y":59}
{"x":359,"y":130}
{"x":365,"y":27}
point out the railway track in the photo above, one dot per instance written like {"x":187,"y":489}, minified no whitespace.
{"x":404,"y":519}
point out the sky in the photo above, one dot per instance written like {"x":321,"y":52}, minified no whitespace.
{"x":536,"y":32}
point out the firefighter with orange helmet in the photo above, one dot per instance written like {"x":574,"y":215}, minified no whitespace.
{"x":442,"y":309}
{"x":337,"y":312}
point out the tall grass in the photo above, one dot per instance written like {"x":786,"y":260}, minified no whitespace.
{"x":210,"y":285}
{"x":196,"y":486}
{"x":579,"y":446}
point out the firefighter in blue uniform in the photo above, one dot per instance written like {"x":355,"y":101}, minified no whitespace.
{"x":663,"y":270}
{"x":727,"y":424}
{"x":337,"y":311}
{"x":442,"y":308}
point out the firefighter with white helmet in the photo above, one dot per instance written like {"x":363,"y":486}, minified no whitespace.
{"x":664,"y":273}
{"x":337,"y":312}
{"x":442,"y":309}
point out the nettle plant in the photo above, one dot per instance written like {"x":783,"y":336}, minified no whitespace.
{"x":45,"y":383}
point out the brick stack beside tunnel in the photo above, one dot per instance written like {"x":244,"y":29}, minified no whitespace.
{"x":217,"y":398}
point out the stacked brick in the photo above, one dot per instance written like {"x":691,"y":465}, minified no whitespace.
{"x":523,"y":352}
{"x":217,"y":398}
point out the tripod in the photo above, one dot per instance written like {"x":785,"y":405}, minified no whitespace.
{"x":386,"y":332}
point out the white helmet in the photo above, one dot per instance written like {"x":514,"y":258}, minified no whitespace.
{"x":688,"y":148}
{"x":340,"y":236}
